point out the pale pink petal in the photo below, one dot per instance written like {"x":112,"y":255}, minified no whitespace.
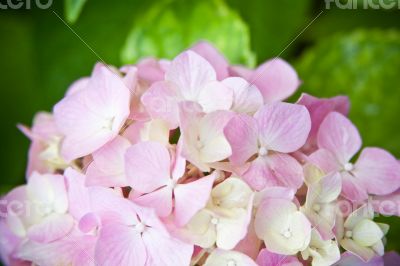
{"x":190,"y":72}
{"x":378,"y":171}
{"x":352,"y":188}
{"x":214,"y":57}
{"x":276,"y":80}
{"x":164,"y":250}
{"x":324,"y":160}
{"x":246,"y":97}
{"x":51,"y":228}
{"x":191,"y":197}
{"x":213,"y":144}
{"x":266,"y":258}
{"x":241,"y":133}
{"x":150,"y":70}
{"x":365,"y":253}
{"x":161,"y":102}
{"x":387,"y":205}
{"x":120,"y":245}
{"x":78,"y":198}
{"x":111,"y":207}
{"x":160,"y":200}
{"x":251,"y":244}
{"x":338,"y":135}
{"x":256,"y":175}
{"x":93,"y":116}
{"x":108,"y":166}
{"x":241,"y":71}
{"x":283,"y":127}
{"x":147,"y":166}
{"x":179,"y":163}
{"x":215,"y":96}
{"x":77,"y":86}
{"x":287,"y":170}
{"x":72,"y":250}
{"x":89,"y":222}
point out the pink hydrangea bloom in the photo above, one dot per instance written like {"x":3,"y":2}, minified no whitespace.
{"x":196,"y":162}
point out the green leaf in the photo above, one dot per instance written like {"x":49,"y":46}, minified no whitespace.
{"x":73,"y":8}
{"x":168,"y":28}
{"x":364,"y":65}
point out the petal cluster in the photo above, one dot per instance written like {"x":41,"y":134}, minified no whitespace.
{"x":196,"y":162}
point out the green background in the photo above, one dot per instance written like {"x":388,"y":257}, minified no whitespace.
{"x":352,"y":52}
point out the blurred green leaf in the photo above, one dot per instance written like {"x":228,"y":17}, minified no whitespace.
{"x":364,"y":65}
{"x":170,"y":27}
{"x":273,"y":24}
{"x":73,"y":8}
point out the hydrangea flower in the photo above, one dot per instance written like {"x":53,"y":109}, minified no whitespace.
{"x":196,"y":162}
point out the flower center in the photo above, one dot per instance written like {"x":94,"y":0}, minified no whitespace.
{"x":140,"y":227}
{"x":316,"y":207}
{"x":108,"y":123}
{"x":348,"y":167}
{"x":231,"y":262}
{"x":262,"y":151}
{"x":287,"y":234}
{"x":214,"y":221}
{"x":171,"y":184}
{"x":199,"y":144}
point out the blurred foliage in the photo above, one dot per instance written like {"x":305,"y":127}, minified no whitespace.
{"x":365,"y":66}
{"x":354,"y":52}
{"x":167,"y":29}
{"x":73,"y":9}
{"x":273,"y":24}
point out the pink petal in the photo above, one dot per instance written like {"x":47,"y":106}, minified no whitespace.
{"x":250,"y":245}
{"x":283,"y":127}
{"x":147,"y":166}
{"x":325,"y":160}
{"x":352,"y":188}
{"x":215,"y":96}
{"x":287,"y":170}
{"x":160,"y":200}
{"x":266,"y":258}
{"x":191,"y":197}
{"x":120,"y":245}
{"x":51,"y":228}
{"x":108,"y":166}
{"x":190,"y":72}
{"x":72,"y":250}
{"x":164,"y":250}
{"x":241,"y":71}
{"x":111,"y":207}
{"x":387,"y":205}
{"x":378,"y":171}
{"x":276,"y":80}
{"x":246,"y":97}
{"x":241,"y":132}
{"x":78,"y":198}
{"x":161,"y":102}
{"x":92,"y":117}
{"x":214,"y":57}
{"x":255,"y":175}
{"x":215,"y":146}
{"x":150,"y":70}
{"x":77,"y":86}
{"x":319,"y":109}
{"x":338,"y":135}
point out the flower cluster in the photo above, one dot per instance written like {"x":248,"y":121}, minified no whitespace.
{"x":196,"y":162}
